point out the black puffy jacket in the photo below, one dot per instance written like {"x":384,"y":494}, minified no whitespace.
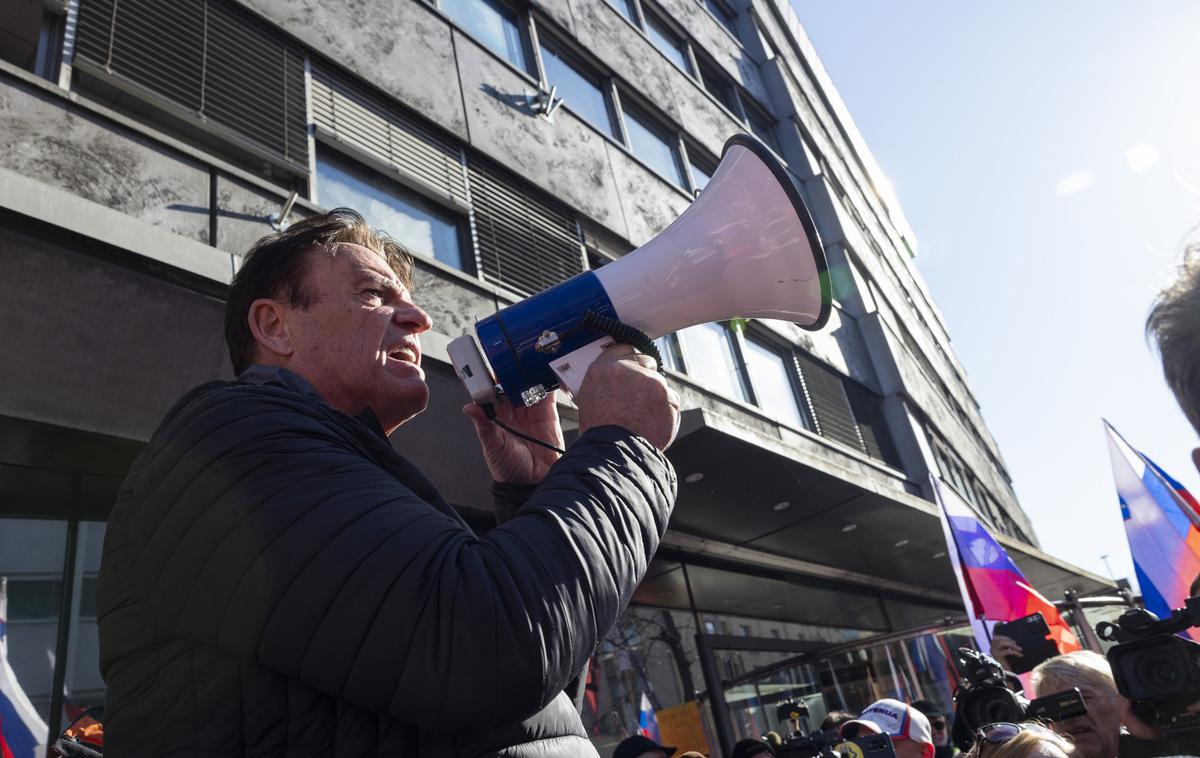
{"x":277,"y":580}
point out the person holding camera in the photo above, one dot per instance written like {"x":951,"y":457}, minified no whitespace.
{"x":908,"y":727}
{"x":1109,"y":728}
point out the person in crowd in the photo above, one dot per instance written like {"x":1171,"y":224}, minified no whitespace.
{"x":1026,"y":740}
{"x":640,"y":746}
{"x":911,"y":735}
{"x":834,"y":720}
{"x":943,"y":746}
{"x":751,"y":748}
{"x":1099,"y":733}
{"x":277,"y":578}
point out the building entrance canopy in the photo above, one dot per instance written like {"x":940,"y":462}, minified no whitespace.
{"x":795,"y":508}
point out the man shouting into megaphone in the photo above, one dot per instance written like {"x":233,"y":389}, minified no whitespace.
{"x":278,"y":579}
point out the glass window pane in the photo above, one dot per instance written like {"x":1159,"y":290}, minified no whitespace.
{"x":581,"y":94}
{"x":760,"y":125}
{"x":652,"y":145}
{"x":700,"y":176}
{"x":719,"y":87}
{"x":668,"y":42}
{"x":415,"y":222}
{"x":722,"y":14}
{"x":625,"y":7}
{"x":710,"y":359}
{"x":770,"y":374}
{"x":31,"y":557}
{"x":493,"y":24}
{"x":668,"y":348}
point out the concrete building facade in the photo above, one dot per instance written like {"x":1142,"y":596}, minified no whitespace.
{"x":510,"y":144}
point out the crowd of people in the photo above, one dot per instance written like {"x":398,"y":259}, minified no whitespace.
{"x":923,"y":729}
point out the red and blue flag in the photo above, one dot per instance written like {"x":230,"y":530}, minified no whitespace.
{"x":647,"y":723}
{"x":22,"y":731}
{"x":1162,"y":524}
{"x":993,"y":588}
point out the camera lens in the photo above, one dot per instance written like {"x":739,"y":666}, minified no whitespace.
{"x":1158,"y":672}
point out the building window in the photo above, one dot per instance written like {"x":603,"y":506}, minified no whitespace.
{"x":719,"y":86}
{"x":654,"y":145}
{"x":582,"y":92}
{"x":760,"y":124}
{"x":771,"y":377}
{"x":700,"y":168}
{"x":418,"y":224}
{"x":670,"y":43}
{"x":625,"y":8}
{"x":709,"y":352}
{"x":723,"y":15}
{"x":668,"y":348}
{"x":492,"y":23}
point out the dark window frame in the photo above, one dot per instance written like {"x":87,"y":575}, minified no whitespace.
{"x":763,"y":338}
{"x":531,"y":62}
{"x":668,"y":28}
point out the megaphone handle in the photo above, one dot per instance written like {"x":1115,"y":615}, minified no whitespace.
{"x":571,"y":368}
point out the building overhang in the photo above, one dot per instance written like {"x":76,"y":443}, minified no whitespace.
{"x":802,"y":506}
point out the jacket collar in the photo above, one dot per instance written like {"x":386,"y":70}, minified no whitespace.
{"x":290,"y":380}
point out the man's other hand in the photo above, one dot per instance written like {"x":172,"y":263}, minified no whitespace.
{"x":623,"y":387}
{"x":510,"y":458}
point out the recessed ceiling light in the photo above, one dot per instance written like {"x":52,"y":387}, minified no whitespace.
{"x":693,"y":478}
{"x":940,"y":554}
{"x":777,"y":606}
{"x":780,"y":506}
{"x":727,"y":600}
{"x":849,"y":527}
{"x":901,"y":543}
{"x":666,"y":593}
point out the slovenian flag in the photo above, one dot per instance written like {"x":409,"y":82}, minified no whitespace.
{"x":993,"y":588}
{"x":647,"y":723}
{"x":22,"y":731}
{"x":1162,"y":524}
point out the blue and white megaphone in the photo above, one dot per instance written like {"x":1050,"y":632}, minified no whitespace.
{"x":746,"y":248}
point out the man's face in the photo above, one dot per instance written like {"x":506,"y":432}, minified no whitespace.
{"x":906,"y":748}
{"x":1097,"y":733}
{"x":940,"y":731}
{"x":357,"y":341}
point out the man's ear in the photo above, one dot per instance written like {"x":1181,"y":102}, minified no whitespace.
{"x":268,"y":324}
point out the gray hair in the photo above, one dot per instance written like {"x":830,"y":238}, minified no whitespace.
{"x":1174,"y":324}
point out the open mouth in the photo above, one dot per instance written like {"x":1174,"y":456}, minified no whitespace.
{"x":405,"y":354}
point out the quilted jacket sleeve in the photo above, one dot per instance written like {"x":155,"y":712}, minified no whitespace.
{"x":262,"y":531}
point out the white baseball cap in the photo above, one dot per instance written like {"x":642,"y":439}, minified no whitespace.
{"x":901,"y":721}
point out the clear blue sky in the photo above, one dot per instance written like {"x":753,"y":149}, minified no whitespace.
{"x":1047,"y":156}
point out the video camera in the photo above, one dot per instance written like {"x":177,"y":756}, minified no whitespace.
{"x":987,"y":694}
{"x":826,"y":744}
{"x":1156,"y":669}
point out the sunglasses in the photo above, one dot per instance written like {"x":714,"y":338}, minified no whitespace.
{"x":1000,"y":733}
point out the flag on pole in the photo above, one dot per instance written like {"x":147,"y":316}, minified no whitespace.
{"x":992,"y":586}
{"x":647,"y":723}
{"x":22,"y":730}
{"x":1161,"y":524}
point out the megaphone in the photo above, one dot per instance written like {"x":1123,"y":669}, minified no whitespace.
{"x":746,"y":248}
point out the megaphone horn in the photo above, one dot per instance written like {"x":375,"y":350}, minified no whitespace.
{"x":746,"y":248}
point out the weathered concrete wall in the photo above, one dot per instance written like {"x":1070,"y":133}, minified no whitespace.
{"x":701,"y":117}
{"x":566,"y":157}
{"x":47,"y":139}
{"x":649,"y":202}
{"x":91,"y":344}
{"x":400,"y":46}
{"x":243,"y":214}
